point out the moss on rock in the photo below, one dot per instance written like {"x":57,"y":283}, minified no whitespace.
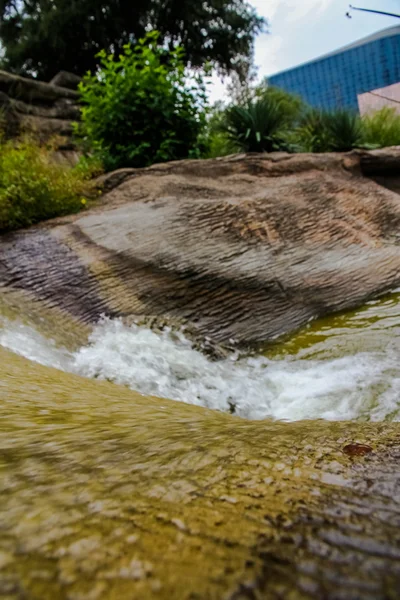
{"x":109,"y":494}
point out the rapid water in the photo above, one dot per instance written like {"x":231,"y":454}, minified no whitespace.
{"x":341,"y":367}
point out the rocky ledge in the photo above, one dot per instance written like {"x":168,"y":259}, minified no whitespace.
{"x":42,"y":109}
{"x":242,"y":249}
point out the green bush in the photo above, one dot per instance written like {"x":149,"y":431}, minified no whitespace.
{"x":218,"y":144}
{"x":382,"y":128}
{"x":262,"y":121}
{"x":323,"y":131}
{"x":142,"y":108}
{"x":261,"y":125}
{"x":34,"y":188}
{"x":290,"y":104}
{"x":213,"y":139}
{"x":345,"y":130}
{"x":312,"y":134}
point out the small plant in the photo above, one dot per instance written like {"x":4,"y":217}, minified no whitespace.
{"x":259,"y":126}
{"x":312,"y":134}
{"x":323,"y":131}
{"x":142,"y":108}
{"x":262,"y":119}
{"x":382,"y":128}
{"x":33,"y":187}
{"x":345,"y":130}
{"x":214,"y":139}
{"x":290,"y":104}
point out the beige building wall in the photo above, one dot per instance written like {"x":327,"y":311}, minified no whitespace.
{"x":377,"y":99}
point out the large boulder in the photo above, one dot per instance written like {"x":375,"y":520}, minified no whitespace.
{"x":33,"y":91}
{"x":244,"y":249}
{"x":66,"y":80}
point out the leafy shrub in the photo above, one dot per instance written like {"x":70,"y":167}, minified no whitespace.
{"x":345,"y":130}
{"x":214,"y":140}
{"x":323,"y":131}
{"x":259,"y":126}
{"x":142,"y":108}
{"x":291,"y":105}
{"x":312,"y":134}
{"x":34,"y":188}
{"x":382,"y":128}
{"x":262,"y":119}
{"x":218,"y":144}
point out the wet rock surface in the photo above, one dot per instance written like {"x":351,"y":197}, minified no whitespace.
{"x":244,"y":249}
{"x":108,"y":494}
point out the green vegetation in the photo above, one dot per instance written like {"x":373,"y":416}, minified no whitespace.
{"x":141,"y":104}
{"x":33,"y":187}
{"x":345,"y":131}
{"x":290,"y":105}
{"x":143,"y":95}
{"x":269,"y":119}
{"x":260,"y":126}
{"x":341,"y":131}
{"x":312,"y":134}
{"x":338,"y":131}
{"x":42,"y":37}
{"x":263,"y":122}
{"x":213,"y":139}
{"x":382,"y":128}
{"x":142,"y":108}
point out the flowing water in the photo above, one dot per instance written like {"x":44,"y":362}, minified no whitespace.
{"x":342,"y":367}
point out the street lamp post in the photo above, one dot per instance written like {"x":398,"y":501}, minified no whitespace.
{"x":376,"y":12}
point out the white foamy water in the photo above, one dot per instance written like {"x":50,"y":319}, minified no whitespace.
{"x":359,"y":385}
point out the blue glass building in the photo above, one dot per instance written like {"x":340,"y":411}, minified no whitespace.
{"x":334,"y":80}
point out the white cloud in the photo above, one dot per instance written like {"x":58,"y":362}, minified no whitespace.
{"x":290,"y":10}
{"x":268,"y":56}
{"x":300,"y":10}
{"x":274,"y":50}
{"x":284,"y":17}
{"x":267,"y":8}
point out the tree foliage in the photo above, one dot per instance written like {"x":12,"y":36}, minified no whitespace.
{"x":42,"y":37}
{"x":141,"y":108}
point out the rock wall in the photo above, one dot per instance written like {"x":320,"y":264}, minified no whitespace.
{"x":43,"y":109}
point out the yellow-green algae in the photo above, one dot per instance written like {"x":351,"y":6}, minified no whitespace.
{"x":369,"y":328}
{"x":51,"y":322}
{"x":108,"y":494}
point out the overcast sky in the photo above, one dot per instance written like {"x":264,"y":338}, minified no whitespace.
{"x":300,"y":30}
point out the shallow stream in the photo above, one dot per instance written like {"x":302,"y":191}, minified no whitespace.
{"x":342,"y":367}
